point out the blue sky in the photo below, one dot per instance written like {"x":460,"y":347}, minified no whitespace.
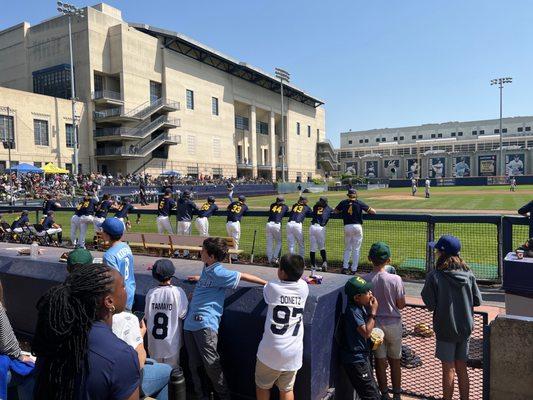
{"x":380,"y":63}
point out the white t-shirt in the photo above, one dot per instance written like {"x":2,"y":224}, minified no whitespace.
{"x":165,"y":307}
{"x":282,"y":345}
{"x":126,"y":326}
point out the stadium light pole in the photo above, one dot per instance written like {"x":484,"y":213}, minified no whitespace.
{"x":72,"y":11}
{"x":282,"y":75}
{"x":501,"y":82}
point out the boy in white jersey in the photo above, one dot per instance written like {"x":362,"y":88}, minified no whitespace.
{"x":279,"y":356}
{"x":165,"y":308}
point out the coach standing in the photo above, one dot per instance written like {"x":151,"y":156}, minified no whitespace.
{"x":524,"y":210}
{"x":185,"y":210}
{"x":273,"y":228}
{"x":164,"y":209}
{"x":351,"y":211}
{"x":202,"y":221}
{"x":317,"y":232}
{"x":295,"y":234}
{"x":236,"y":210}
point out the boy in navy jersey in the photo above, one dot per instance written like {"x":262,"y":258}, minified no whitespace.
{"x":295,"y":234}
{"x":204,"y":212}
{"x":317,"y":232}
{"x":273,"y":228}
{"x":236,"y":210}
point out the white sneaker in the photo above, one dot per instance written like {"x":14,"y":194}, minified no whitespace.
{"x":325,"y":266}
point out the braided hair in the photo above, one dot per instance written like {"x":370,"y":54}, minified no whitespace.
{"x":65,"y":316}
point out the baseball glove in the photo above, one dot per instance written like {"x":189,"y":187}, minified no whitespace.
{"x":423,"y":330}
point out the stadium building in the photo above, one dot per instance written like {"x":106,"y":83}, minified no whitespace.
{"x":451,"y":149}
{"x":151,"y":100}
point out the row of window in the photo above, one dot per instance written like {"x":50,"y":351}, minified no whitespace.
{"x":308,"y":130}
{"x":189,"y":95}
{"x":40,"y":131}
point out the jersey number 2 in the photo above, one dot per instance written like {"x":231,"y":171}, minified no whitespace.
{"x":160,"y":329}
{"x":281,"y":316}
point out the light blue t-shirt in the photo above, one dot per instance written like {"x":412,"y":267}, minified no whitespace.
{"x":120,"y":257}
{"x":207,"y":305}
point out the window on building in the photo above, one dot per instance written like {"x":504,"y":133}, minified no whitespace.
{"x":156,"y":91}
{"x":191,"y":145}
{"x":377,"y":139}
{"x":192,"y":171}
{"x":261,"y":127}
{"x":528,"y":128}
{"x":402,"y":138}
{"x":452,"y":134}
{"x":366,"y":140}
{"x":297,"y":128}
{"x":318,"y":134}
{"x":439,"y":135}
{"x":40,"y":132}
{"x":395,"y":138}
{"x":459,"y":133}
{"x":496,"y":131}
{"x":37,"y":164}
{"x":308,"y":130}
{"x":242,"y":123}
{"x":349,"y":142}
{"x":214,"y":106}
{"x":383,"y":139}
{"x":190,"y":99}
{"x":420,"y":136}
{"x":216,"y":147}
{"x":482,"y":132}
{"x":360,"y":141}
{"x":68,"y":167}
{"x":7,"y":128}
{"x":519,"y":129}
{"x":504,"y":130}
{"x":474,"y":133}
{"x":432,"y":136}
{"x":413,"y":137}
{"x":98,"y":83}
{"x":53,"y":81}
{"x":69,"y":135}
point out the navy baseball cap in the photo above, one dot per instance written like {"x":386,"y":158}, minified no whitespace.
{"x":448,"y":244}
{"x":168,"y":191}
{"x":163,"y":270}
{"x":352,"y":192}
{"x":113,"y":226}
{"x":211,"y":199}
{"x":187,"y":193}
{"x":324,"y":200}
{"x":280,"y":199}
{"x":242,"y":198}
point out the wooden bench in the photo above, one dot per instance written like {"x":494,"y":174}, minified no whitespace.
{"x":159,"y":242}
{"x":134,"y":240}
{"x":193,"y":244}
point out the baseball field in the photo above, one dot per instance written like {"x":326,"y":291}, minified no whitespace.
{"x":407,"y":239}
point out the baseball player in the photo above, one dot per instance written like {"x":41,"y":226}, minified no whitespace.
{"x":461,"y":168}
{"x":438,"y":169}
{"x":236,"y":210}
{"x":512,"y":188}
{"x":185,"y":210}
{"x":202,"y":221}
{"x":277,"y":211}
{"x":101,"y":211}
{"x":515,"y":166}
{"x":317,"y":232}
{"x":295,"y":234}
{"x":414,"y":186}
{"x":351,"y":211}
{"x":122,"y":211}
{"x":50,"y":204}
{"x":164,"y":209}
{"x":51,"y":228}
{"x":230,"y":186}
{"x":21,"y":222}
{"x":81,"y":219}
{"x":427,"y":186}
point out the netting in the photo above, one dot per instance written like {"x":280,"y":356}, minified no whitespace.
{"x":479,"y":246}
{"x":422,"y":371}
{"x":520,"y":235}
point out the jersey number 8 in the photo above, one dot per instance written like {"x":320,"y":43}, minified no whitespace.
{"x":160,"y":329}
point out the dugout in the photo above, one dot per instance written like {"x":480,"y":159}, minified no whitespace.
{"x":25,"y":280}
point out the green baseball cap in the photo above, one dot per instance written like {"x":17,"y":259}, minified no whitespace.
{"x":379,"y":251}
{"x":355,"y":286}
{"x":79,"y":256}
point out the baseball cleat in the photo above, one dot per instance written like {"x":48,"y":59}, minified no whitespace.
{"x":345,"y":271}
{"x":325,"y":266}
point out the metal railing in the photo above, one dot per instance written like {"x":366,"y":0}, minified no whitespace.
{"x":140,"y":112}
{"x":106,"y":94}
{"x":136,"y":150}
{"x":140,"y":131}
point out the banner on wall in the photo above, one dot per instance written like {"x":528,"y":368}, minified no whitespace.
{"x":351,"y":167}
{"x":487,"y":165}
{"x":371,"y":169}
{"x":412,"y":168}
{"x":392,"y":167}
{"x":461,"y":167}
{"x":514,"y":164}
{"x":437,"y":167}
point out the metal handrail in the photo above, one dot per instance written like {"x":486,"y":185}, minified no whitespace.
{"x":140,"y":112}
{"x":106,"y":94}
{"x":141,"y":130}
{"x":137,"y":150}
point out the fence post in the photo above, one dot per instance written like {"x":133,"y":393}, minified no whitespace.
{"x":36,"y":216}
{"x":507,"y":236}
{"x":486,"y":361}
{"x":501,"y":253}
{"x":430,"y":237}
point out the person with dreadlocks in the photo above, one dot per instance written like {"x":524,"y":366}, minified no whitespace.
{"x":77,"y":352}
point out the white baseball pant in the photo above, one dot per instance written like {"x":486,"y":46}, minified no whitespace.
{"x":97,"y":222}
{"x":74,"y":229}
{"x":184,"y":228}
{"x":53,"y":231}
{"x":202,"y":225}
{"x":273,"y":238}
{"x":317,"y":237}
{"x":295,"y":235}
{"x":353,"y":238}
{"x":234,"y":230}
{"x":163,"y":224}
{"x":85,"y":221}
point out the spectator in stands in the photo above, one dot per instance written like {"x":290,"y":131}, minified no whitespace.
{"x":390,"y":294}
{"x":77,"y":352}
{"x":119,"y":255}
{"x":280,"y":353}
{"x":205,"y":310}
{"x":15,"y":368}
{"x":78,"y":257}
{"x":452,"y":283}
{"x":356,"y":330}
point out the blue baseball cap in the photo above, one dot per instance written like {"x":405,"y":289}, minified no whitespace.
{"x":113,"y":227}
{"x":448,"y":244}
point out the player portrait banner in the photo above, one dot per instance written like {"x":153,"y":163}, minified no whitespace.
{"x":351,"y":168}
{"x":412,"y":168}
{"x":487,"y":165}
{"x":461,"y":167}
{"x":392,"y":167}
{"x":437,"y":167}
{"x":514,"y":164}
{"x":371,"y":169}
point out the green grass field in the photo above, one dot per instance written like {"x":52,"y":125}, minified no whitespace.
{"x":407,"y":239}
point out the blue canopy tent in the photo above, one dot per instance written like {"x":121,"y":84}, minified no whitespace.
{"x":25,"y":169}
{"x":171,"y":173}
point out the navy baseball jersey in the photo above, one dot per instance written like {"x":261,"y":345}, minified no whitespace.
{"x":103,"y":208}
{"x":352,"y":211}
{"x":236,"y":210}
{"x":277,"y":212}
{"x":48,"y":223}
{"x":185,"y":209}
{"x":207,"y":210}
{"x":165,"y":206}
{"x":528,"y":208}
{"x":321,"y":215}
{"x":49,"y":205}
{"x":123,"y":209}
{"x":86,"y":207}
{"x":20,"y":222}
{"x":299,"y":212}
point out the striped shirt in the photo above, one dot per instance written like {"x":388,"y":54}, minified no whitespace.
{"x":9,"y":344}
